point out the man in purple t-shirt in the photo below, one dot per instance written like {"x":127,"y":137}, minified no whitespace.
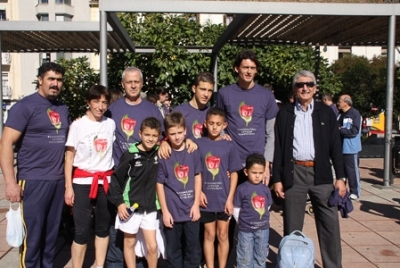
{"x":251,"y":110}
{"x":38,"y":125}
{"x":195,"y":110}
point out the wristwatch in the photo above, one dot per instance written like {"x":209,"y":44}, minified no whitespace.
{"x":343,"y":179}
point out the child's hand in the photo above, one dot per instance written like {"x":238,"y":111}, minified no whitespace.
{"x":195,"y":213}
{"x":168,"y":220}
{"x":226,"y":137}
{"x":164,"y":151}
{"x":203,"y":200}
{"x":229,"y":207}
{"x":122,"y":213}
{"x":191,"y":145}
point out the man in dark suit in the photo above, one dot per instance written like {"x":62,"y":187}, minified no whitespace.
{"x":306,"y":138}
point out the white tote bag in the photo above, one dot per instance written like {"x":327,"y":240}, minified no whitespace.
{"x":15,"y":230}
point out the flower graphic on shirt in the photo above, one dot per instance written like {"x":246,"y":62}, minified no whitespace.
{"x":55,"y":119}
{"x":197,"y":129}
{"x":246,"y":112}
{"x":212,"y":164}
{"x":258,"y":203}
{"x":181,"y":173}
{"x":127,"y":126}
{"x":100,"y":145}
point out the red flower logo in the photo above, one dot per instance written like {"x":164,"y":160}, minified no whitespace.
{"x":258,"y":203}
{"x":128,"y":126}
{"x":181,"y":173}
{"x":246,"y":112}
{"x":212,"y":164}
{"x":100,"y":145}
{"x":55,"y":119}
{"x":197,"y":129}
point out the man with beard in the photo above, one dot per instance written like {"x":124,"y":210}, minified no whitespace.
{"x":38,"y":126}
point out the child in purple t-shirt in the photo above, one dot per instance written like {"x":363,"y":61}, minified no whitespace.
{"x":219,"y":156}
{"x":178,"y":189}
{"x":252,"y":201}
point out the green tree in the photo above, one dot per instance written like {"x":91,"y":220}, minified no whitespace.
{"x":78,"y":78}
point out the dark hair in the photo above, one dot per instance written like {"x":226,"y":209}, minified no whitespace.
{"x":174,"y":119}
{"x":96,"y":91}
{"x":246,"y":55}
{"x":253,"y":159}
{"x":152,"y":123}
{"x":327,"y":96}
{"x":115,"y":94}
{"x":161,"y":90}
{"x":152,"y":98}
{"x":50,"y":66}
{"x":206,"y":77}
{"x":216,"y":111}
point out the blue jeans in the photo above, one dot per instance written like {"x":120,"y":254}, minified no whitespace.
{"x":252,"y":249}
{"x":187,"y":255}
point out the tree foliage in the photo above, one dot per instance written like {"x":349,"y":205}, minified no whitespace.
{"x":365,"y":81}
{"x":78,"y":78}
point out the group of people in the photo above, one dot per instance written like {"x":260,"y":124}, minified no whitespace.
{"x":139,"y":175}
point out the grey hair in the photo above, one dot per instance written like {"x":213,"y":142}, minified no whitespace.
{"x":347,"y":99}
{"x":131,"y":70}
{"x":303,"y":73}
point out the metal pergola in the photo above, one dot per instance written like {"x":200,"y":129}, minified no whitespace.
{"x":255,"y":22}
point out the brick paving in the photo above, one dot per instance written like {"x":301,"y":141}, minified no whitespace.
{"x":370,"y":237}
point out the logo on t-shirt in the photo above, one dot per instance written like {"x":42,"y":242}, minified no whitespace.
{"x":100,"y":145}
{"x":128,"y":126}
{"x":258,"y":203}
{"x":212,"y":164}
{"x":55,"y":119}
{"x":246,"y":112}
{"x":181,"y":173}
{"x":197,"y":129}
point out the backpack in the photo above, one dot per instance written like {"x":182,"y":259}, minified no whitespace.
{"x":296,"y":250}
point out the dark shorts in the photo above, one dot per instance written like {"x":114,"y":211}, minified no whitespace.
{"x":207,"y":217}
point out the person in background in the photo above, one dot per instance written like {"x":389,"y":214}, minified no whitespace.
{"x":162,"y":95}
{"x":350,"y":121}
{"x":328,"y":100}
{"x":251,"y":210}
{"x":38,"y":126}
{"x":306,"y":139}
{"x":88,"y":167}
{"x":152,"y":98}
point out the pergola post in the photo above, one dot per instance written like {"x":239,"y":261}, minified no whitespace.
{"x":389,"y":101}
{"x":103,"y":47}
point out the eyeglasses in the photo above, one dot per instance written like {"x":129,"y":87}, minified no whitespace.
{"x":301,"y":84}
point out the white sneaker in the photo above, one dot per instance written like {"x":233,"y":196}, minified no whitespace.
{"x":353,"y":197}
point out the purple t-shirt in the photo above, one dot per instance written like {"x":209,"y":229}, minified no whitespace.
{"x":127,"y":120}
{"x":44,"y":125}
{"x":194,"y":120}
{"x":253,"y":201}
{"x":247,"y":111}
{"x":218,"y":157}
{"x":177,"y":175}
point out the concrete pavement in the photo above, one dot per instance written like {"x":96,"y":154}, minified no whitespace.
{"x":370,"y":237}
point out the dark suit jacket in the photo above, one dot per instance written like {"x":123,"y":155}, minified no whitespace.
{"x":327,"y":144}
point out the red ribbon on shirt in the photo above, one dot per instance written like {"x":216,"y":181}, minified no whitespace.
{"x":80,"y":173}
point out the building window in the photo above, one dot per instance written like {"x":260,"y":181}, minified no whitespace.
{"x":43,"y":17}
{"x":63,"y":17}
{"x":3,"y":15}
{"x":5,"y":86}
{"x":66,"y":2}
{"x":43,"y":1}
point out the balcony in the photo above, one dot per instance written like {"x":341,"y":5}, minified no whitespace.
{"x":6,"y":93}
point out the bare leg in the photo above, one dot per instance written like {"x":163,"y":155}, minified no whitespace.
{"x":223,"y":242}
{"x":100,"y":247}
{"x":208,"y":245}
{"x":129,"y":250}
{"x":151,"y":246}
{"x":77,"y":254}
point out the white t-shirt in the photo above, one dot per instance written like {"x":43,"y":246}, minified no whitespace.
{"x":93,"y":143}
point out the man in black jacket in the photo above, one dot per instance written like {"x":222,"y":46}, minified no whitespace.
{"x":306,"y":138}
